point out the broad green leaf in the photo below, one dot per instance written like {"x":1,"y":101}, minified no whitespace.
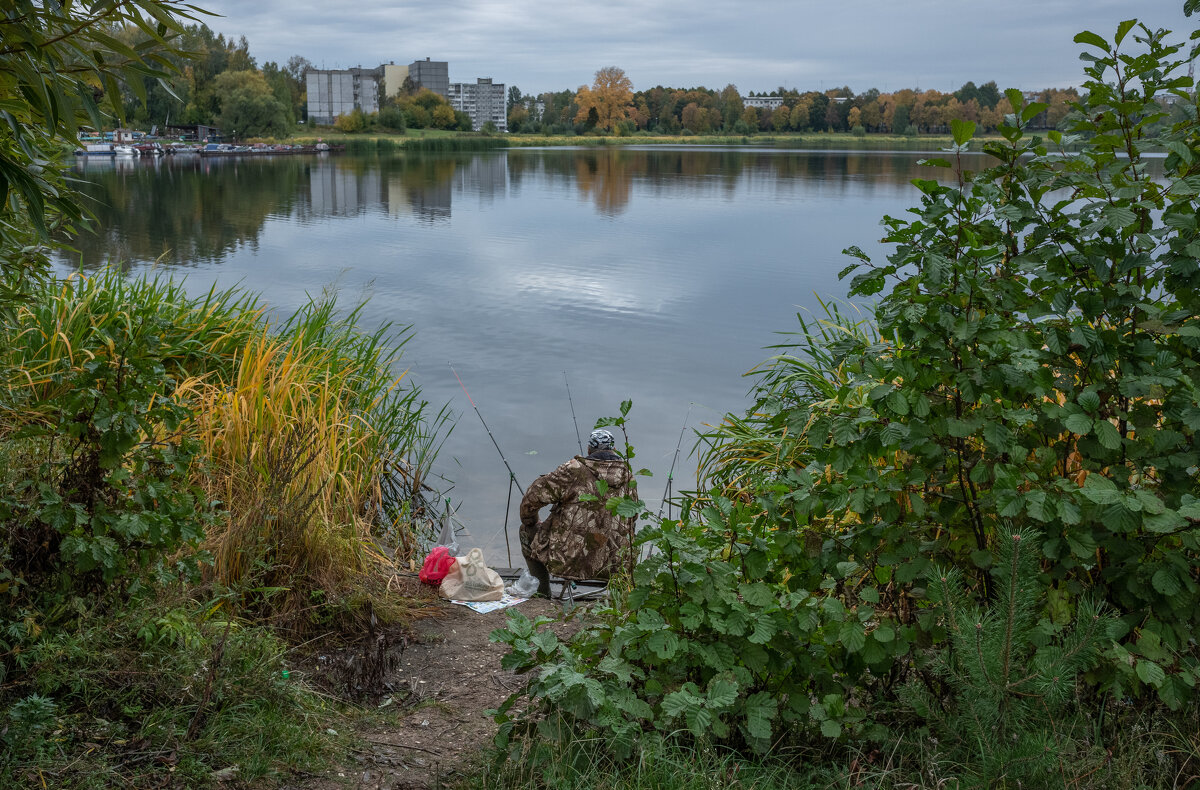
{"x":722,"y":692}
{"x":1079,"y":424}
{"x":1088,"y":37}
{"x":962,"y":131}
{"x":1099,"y":489}
{"x":764,"y":630}
{"x":1150,"y":672}
{"x":1122,"y":29}
{"x":1166,"y":582}
{"x":761,"y":709}
{"x":852,"y":636}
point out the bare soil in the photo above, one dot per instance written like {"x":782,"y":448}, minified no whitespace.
{"x":446,"y":673}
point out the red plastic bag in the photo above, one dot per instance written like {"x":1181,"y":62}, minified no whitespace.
{"x":436,"y":566}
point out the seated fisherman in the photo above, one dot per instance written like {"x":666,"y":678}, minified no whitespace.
{"x":579,"y":539}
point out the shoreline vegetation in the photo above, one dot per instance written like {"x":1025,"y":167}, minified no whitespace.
{"x":190,"y":487}
{"x":954,"y":541}
{"x":423,"y":139}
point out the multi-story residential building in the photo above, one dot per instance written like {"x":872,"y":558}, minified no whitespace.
{"x":764,"y":102}
{"x":483,"y":100}
{"x":431,"y":74}
{"x":393,"y":78}
{"x":334,"y":92}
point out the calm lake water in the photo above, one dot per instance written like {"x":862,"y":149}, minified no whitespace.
{"x":654,"y":274}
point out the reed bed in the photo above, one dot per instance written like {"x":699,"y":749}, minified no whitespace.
{"x":452,"y":144}
{"x":740,"y":452}
{"x":314,"y":449}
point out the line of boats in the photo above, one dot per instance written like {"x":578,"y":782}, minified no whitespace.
{"x":208,"y":149}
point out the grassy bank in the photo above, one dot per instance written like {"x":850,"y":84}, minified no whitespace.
{"x":834,"y":141}
{"x":186,"y":487}
{"x":431,"y":139}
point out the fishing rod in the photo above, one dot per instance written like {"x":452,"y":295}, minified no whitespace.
{"x":572,"y":402}
{"x":666,"y":500}
{"x":512,"y":477}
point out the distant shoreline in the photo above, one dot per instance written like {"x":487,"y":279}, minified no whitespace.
{"x":819,"y":140}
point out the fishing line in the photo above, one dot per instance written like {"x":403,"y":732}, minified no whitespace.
{"x":512,"y":477}
{"x":572,"y":402}
{"x":666,"y":500}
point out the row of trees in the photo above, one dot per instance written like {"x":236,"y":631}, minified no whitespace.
{"x":611,"y":104}
{"x":221,"y":84}
{"x":217,"y":82}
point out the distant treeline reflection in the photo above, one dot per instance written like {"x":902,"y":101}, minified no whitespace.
{"x":188,"y":210}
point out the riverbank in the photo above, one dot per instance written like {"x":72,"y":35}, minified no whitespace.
{"x":416,"y":138}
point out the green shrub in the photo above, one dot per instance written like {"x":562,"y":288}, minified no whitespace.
{"x":1034,"y":370}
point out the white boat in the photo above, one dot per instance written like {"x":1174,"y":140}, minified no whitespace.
{"x":124,"y":150}
{"x":96,"y":149}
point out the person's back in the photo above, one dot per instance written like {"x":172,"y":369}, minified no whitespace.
{"x":581,"y":538}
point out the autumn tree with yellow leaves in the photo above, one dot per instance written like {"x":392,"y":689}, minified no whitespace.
{"x":610,"y":98}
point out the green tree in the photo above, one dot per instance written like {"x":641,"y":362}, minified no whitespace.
{"x":60,"y":69}
{"x":249,"y":108}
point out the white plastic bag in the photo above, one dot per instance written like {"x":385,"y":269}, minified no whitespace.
{"x":525,"y":586}
{"x":446,"y":538}
{"x":472,"y":580}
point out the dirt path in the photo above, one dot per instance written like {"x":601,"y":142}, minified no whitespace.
{"x":448,"y":674}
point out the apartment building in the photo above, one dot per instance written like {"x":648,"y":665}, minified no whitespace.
{"x":483,"y":100}
{"x":431,"y":74}
{"x":334,"y":92}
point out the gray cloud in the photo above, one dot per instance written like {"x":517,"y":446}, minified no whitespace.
{"x":544,"y":45}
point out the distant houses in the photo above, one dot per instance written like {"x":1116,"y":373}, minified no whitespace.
{"x":763,"y":102}
{"x":334,"y":92}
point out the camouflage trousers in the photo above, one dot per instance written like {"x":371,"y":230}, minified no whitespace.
{"x":526,"y":536}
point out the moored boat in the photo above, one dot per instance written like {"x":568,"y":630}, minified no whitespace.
{"x":95,"y":149}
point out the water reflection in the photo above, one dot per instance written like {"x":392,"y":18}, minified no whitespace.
{"x":653,"y":274}
{"x":187,"y":210}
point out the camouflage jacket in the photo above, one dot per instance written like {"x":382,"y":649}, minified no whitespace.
{"x":579,"y":540}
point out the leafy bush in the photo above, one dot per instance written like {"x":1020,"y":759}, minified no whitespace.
{"x":392,"y":117}
{"x":93,"y":385}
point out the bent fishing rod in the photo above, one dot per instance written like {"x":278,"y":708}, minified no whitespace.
{"x":512,"y":477}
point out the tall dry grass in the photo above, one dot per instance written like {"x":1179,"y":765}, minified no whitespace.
{"x":314,"y":450}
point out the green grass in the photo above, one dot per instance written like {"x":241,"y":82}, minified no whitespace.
{"x":155,"y":688}
{"x":659,"y":765}
{"x":1153,"y":751}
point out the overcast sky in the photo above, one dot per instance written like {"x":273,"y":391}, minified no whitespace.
{"x":542,"y":45}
